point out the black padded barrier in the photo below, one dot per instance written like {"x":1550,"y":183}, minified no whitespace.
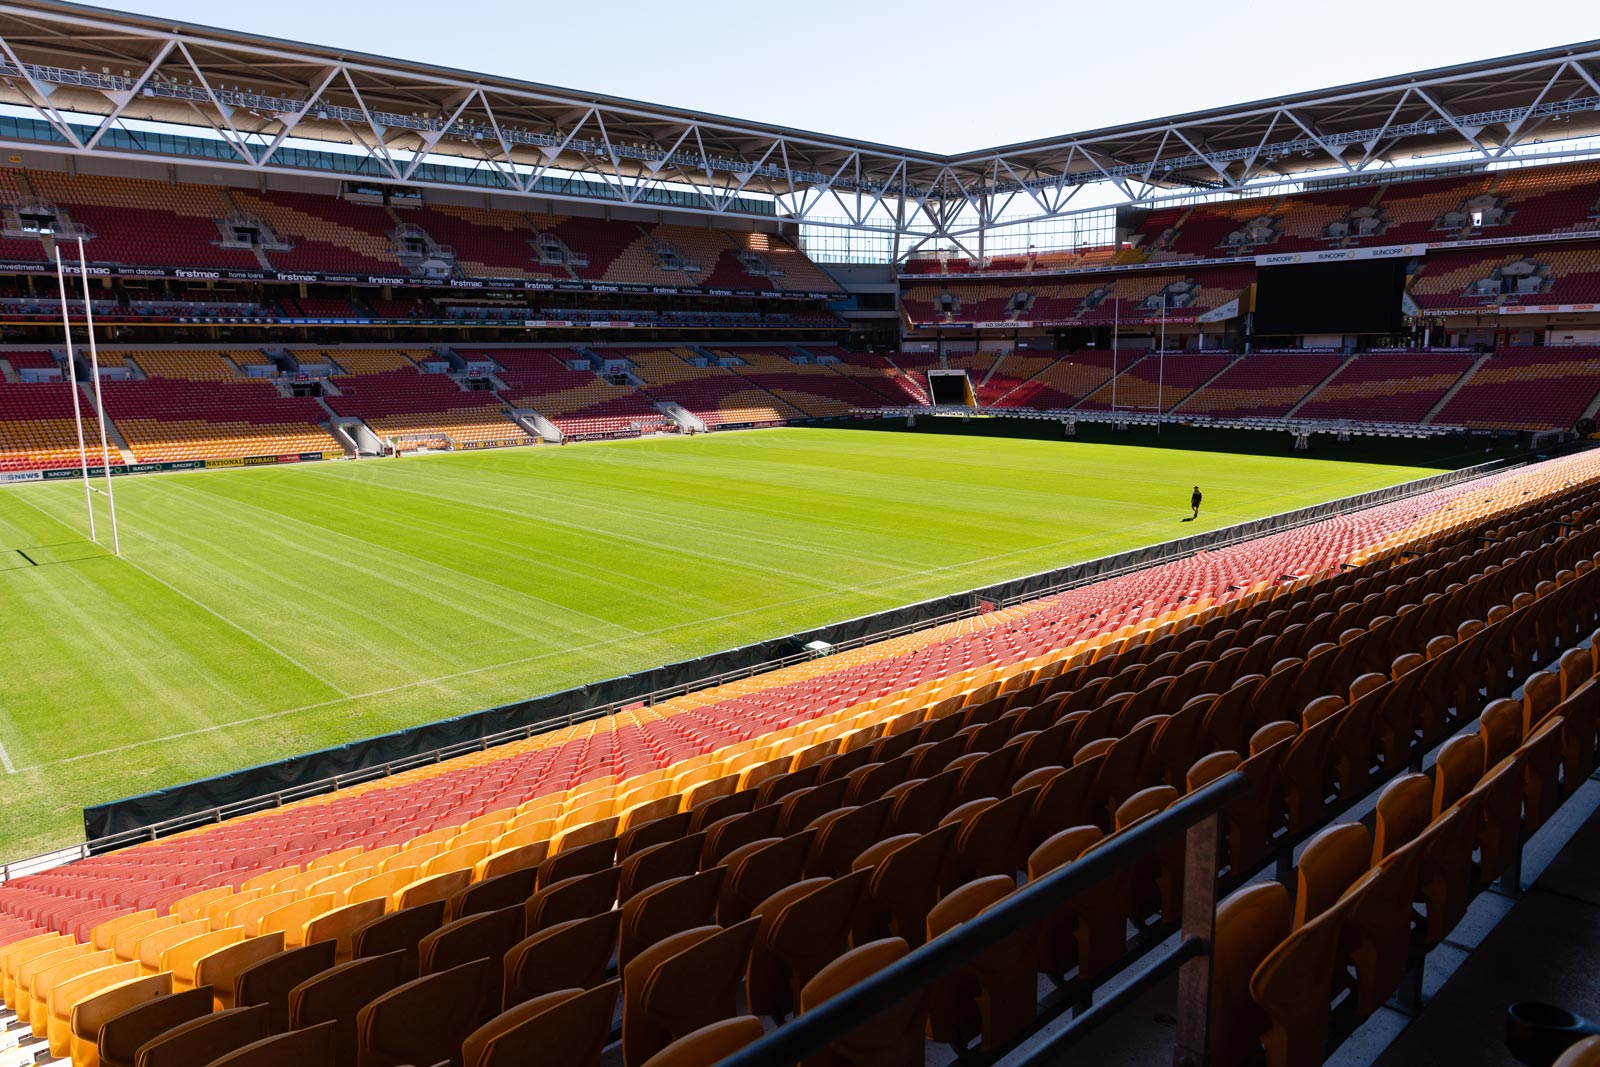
{"x":128,"y":821}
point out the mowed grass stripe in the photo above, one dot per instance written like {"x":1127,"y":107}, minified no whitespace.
{"x":439,"y":585}
{"x":511,"y":564}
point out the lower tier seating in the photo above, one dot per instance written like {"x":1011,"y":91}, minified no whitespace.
{"x":770,"y":871}
{"x":1388,"y":387}
{"x":37,"y":429}
{"x":1528,"y":389}
{"x":407,"y":403}
{"x":166,"y":420}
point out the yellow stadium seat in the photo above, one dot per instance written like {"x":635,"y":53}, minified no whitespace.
{"x":66,"y":996}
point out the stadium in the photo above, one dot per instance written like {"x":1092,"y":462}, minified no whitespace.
{"x":493,"y":573}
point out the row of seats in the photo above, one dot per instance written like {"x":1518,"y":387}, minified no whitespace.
{"x":712,"y":900}
{"x":849,"y":683}
{"x":1519,"y":388}
{"x":173,"y":419}
{"x":1133,"y":297}
{"x":131,"y":221}
{"x":530,"y":957}
{"x":168,"y":416}
{"x":1528,"y":201}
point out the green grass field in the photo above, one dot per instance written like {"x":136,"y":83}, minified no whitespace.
{"x":260,"y":613}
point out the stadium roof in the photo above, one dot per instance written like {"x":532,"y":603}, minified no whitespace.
{"x":87,"y":73}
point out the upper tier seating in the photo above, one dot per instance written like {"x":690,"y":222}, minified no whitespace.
{"x":129,"y":221}
{"x":328,"y":234}
{"x":1134,"y":297}
{"x":487,"y":244}
{"x":1528,"y":201}
{"x":896,"y":806}
{"x":1262,"y":385}
{"x":1561,"y":274}
{"x":140,"y":222}
{"x":1528,"y":389}
{"x":1388,"y":387}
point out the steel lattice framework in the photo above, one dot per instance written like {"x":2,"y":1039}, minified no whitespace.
{"x":85,"y":74}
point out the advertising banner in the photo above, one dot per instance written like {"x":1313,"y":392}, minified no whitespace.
{"x":1341,"y":255}
{"x":119,"y":469}
{"x":397,"y":281}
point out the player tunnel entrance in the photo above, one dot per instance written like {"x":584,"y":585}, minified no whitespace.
{"x":950,"y":388}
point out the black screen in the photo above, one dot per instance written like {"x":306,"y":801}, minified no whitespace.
{"x":949,"y":388}
{"x":1360,"y":297}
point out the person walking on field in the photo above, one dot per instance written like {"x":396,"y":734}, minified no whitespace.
{"x":1194,"y":501}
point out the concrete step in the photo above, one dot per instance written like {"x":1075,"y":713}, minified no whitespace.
{"x":1450,"y":393}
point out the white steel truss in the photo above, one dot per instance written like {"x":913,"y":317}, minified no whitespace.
{"x":91,"y":80}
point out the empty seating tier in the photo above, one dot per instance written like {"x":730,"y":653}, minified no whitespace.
{"x":166,"y":420}
{"x":579,"y":403}
{"x":655,"y":838}
{"x":1155,"y":383}
{"x":405,"y":403}
{"x":1262,"y":385}
{"x":1528,"y":389}
{"x":37,"y":431}
{"x":1387,"y":387}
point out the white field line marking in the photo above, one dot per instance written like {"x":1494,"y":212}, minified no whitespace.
{"x":263,"y":642}
{"x":5,"y":761}
{"x":454,"y":575}
{"x":524,"y":660}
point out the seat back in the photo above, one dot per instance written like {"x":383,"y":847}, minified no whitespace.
{"x":426,"y":1019}
{"x":682,"y":983}
{"x":894,"y":1036}
{"x":398,"y":931}
{"x":1249,"y":925}
{"x":667,"y":908}
{"x":562,"y":1028}
{"x":122,"y":1034}
{"x":1294,"y":986}
{"x":492,"y":894}
{"x":572,"y":898}
{"x":90,"y":1016}
{"x":1330,"y":864}
{"x":205,"y":1039}
{"x":268,"y":981}
{"x":338,"y":925}
{"x":220,"y":969}
{"x":709,"y":1045}
{"x":339,"y":993}
{"x":570,"y":954}
{"x":315,"y":1046}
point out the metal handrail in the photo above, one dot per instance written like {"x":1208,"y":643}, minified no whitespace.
{"x":813,"y":1030}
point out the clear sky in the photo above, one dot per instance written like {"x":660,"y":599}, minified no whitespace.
{"x":934,"y":75}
